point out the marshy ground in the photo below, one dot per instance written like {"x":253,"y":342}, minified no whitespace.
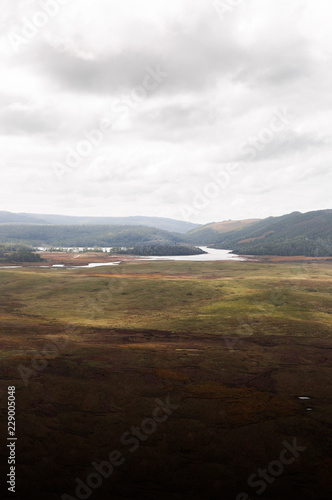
{"x":233,"y":345}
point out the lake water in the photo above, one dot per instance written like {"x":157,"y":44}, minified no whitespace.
{"x":92,"y":264}
{"x":212,"y":254}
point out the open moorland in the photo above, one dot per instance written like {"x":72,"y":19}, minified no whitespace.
{"x":193,"y":372}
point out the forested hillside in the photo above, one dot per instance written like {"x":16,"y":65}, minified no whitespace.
{"x":308,"y":234}
{"x":70,"y":236}
{"x":210,"y":233}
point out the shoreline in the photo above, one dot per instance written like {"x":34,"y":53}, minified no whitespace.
{"x":69,"y":259}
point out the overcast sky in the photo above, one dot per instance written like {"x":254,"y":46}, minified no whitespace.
{"x":191,"y":109}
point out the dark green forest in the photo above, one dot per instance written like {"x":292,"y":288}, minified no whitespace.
{"x":18,"y":253}
{"x":308,"y":234}
{"x":159,"y":250}
{"x":86,"y":236}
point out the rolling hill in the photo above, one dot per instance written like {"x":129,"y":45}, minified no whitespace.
{"x":86,"y":236}
{"x":165,"y":224}
{"x":308,"y":234}
{"x":210,"y":233}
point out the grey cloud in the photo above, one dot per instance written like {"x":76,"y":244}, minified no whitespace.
{"x":114,"y":73}
{"x":176,"y":122}
{"x":285,"y":145}
{"x":195,"y":59}
{"x":19,"y":119}
{"x":275,"y":65}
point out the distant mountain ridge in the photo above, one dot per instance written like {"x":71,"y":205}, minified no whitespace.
{"x":163,"y":223}
{"x":10,"y":217}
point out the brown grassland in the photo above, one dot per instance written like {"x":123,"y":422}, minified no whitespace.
{"x":232,"y":344}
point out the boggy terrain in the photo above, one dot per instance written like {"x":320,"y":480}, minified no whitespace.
{"x":191,"y":371}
